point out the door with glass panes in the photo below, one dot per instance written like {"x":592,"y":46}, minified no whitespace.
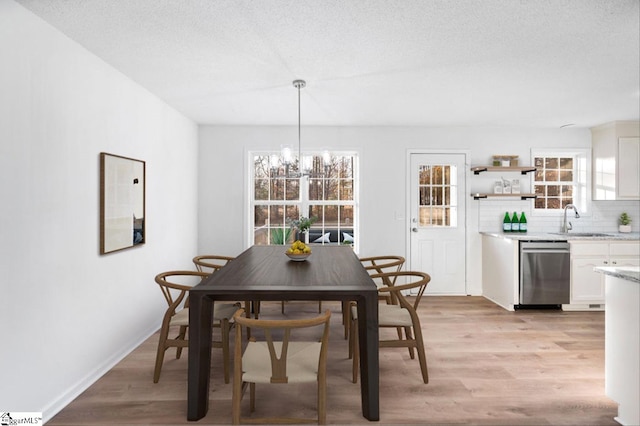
{"x":437,"y":220}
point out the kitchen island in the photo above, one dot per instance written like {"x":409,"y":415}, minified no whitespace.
{"x":622,"y":340}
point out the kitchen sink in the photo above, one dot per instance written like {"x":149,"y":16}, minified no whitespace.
{"x":582,"y":234}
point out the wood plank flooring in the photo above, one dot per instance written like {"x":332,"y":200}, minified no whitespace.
{"x":487,"y":366}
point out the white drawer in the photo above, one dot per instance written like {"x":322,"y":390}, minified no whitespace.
{"x":631,"y":248}
{"x":591,"y":248}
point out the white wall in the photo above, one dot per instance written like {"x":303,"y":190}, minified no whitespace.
{"x":383,"y":158}
{"x":68,"y":314}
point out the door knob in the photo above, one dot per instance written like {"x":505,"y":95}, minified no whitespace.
{"x":414,"y":229}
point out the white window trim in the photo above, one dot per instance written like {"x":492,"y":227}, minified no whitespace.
{"x":304,"y":204}
{"x":584,"y":156}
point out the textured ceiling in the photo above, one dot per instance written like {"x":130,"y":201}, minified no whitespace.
{"x":543,"y":63}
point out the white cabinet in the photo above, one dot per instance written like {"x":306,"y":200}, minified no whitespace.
{"x":616,"y":161}
{"x":587,"y":286}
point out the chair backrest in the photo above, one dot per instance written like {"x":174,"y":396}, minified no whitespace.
{"x":210,"y":263}
{"x":175,"y":286}
{"x":375,"y":265}
{"x":412,"y":279}
{"x":278,"y":348}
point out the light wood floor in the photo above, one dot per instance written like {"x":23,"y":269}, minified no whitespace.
{"x":487,"y":366}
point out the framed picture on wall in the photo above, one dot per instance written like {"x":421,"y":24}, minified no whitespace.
{"x":122,"y":203}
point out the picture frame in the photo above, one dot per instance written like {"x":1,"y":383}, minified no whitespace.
{"x":122,"y":203}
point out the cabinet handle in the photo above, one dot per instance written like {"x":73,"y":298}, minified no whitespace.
{"x":614,"y":262}
{"x":606,"y":263}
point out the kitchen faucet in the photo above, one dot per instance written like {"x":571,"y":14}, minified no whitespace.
{"x":566,"y":226}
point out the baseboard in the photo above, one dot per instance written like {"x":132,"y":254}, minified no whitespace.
{"x":72,"y":393}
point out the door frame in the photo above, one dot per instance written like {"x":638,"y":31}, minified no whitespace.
{"x":407,"y":216}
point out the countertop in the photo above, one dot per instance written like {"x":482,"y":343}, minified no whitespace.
{"x":548,"y":236}
{"x":629,"y":273}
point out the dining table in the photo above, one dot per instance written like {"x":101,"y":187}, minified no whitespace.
{"x":265,"y":273}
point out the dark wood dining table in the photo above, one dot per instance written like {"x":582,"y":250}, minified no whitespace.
{"x":263,"y":273}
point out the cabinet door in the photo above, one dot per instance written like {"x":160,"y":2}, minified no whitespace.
{"x":587,"y":286}
{"x":628,"y":172}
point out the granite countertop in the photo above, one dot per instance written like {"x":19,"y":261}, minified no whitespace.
{"x":629,"y":273}
{"x":549,"y":236}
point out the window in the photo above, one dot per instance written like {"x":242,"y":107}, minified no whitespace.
{"x":328,"y":193}
{"x":561,"y":178}
{"x":438,"y":195}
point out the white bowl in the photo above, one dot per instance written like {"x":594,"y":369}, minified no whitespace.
{"x":298,"y":257}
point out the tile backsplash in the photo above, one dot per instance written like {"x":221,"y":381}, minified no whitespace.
{"x":603,"y":216}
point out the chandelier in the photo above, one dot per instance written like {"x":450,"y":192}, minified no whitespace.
{"x":305,"y":163}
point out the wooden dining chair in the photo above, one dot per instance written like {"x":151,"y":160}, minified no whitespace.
{"x":280,"y":360}
{"x":373,"y":265}
{"x":399,"y":313}
{"x":175,"y":286}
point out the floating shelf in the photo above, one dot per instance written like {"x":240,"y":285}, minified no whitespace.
{"x":522,"y":169}
{"x":479,"y":196}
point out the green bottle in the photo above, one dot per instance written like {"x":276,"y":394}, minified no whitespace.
{"x":515,"y":223}
{"x":523,"y":223}
{"x":506,"y":223}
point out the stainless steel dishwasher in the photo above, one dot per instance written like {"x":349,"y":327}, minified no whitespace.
{"x":544,"y":273}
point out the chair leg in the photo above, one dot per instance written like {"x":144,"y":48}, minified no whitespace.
{"x":252,"y":397}
{"x":224,"y":332}
{"x":355,"y":351}
{"x":181,"y":336}
{"x":422,"y":357}
{"x":346,"y":318}
{"x":164,"y":333}
{"x":407,"y":331}
{"x":322,"y":400}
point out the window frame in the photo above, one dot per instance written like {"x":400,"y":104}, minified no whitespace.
{"x":581,"y":186}
{"x":303,"y":202}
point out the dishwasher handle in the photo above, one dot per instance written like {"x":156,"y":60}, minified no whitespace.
{"x":543,"y":250}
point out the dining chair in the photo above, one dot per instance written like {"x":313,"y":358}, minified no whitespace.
{"x":399,"y":313}
{"x":175,"y":286}
{"x":281,"y":360}
{"x":373,"y":265}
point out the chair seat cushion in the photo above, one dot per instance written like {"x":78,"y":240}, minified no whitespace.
{"x":302,"y":362}
{"x":389,"y":316}
{"x":221,"y":310}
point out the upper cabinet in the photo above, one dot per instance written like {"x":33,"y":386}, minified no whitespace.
{"x":616,"y":161}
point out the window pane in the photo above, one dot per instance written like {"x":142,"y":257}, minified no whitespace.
{"x":261,"y":216}
{"x":277,"y":189}
{"x":539,"y":190}
{"x":566,"y":163}
{"x":437,"y":175}
{"x":567,"y":190}
{"x":346,"y":216}
{"x":346,"y":189}
{"x":437,"y":216}
{"x":330,"y":216}
{"x":541,"y":203}
{"x":424,"y":216}
{"x":331,"y":189}
{"x":425,"y":175}
{"x":261,"y":189}
{"x":566,"y":201}
{"x":551,"y":163}
{"x":316,"y":189}
{"x":553,"y":190}
{"x":425,"y":195}
{"x":346,"y":168}
{"x":539,"y":175}
{"x":551,"y":175}
{"x":566,"y":175}
{"x":276,"y":216}
{"x":447,"y":196}
{"x":292,"y":213}
{"x":538,"y":162}
{"x":447,"y":175}
{"x":553,"y":203}
{"x":437,"y":196}
{"x":293,"y":189}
